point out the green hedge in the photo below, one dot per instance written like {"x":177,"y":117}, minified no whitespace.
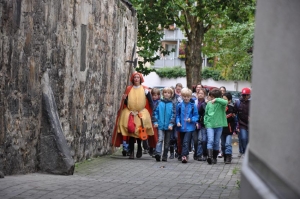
{"x":171,"y":72}
{"x":177,"y":71}
{"x":210,"y":73}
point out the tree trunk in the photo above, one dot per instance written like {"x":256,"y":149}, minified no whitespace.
{"x":193,"y":61}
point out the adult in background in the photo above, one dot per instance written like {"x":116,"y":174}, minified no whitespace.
{"x":242,"y":107}
{"x":135,"y":112}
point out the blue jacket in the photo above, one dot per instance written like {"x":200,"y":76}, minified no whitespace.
{"x":164,"y":114}
{"x":185,"y":111}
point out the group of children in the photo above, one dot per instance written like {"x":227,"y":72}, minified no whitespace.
{"x":180,"y":115}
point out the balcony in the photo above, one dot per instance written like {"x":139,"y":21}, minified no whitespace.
{"x":168,"y":62}
{"x":173,"y":35}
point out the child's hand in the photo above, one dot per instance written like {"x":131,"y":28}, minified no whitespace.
{"x":197,"y":126}
{"x":170,"y":127}
{"x":155,"y":125}
{"x":188,"y":120}
{"x":213,"y":101}
{"x":178,"y":124}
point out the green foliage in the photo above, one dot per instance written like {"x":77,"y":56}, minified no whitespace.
{"x":171,"y":72}
{"x":210,"y":73}
{"x":151,"y":16}
{"x":177,"y":71}
{"x":144,"y":70}
{"x":228,"y":38}
{"x":232,"y":42}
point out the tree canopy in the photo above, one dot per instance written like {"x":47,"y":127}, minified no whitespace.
{"x":221,"y":29}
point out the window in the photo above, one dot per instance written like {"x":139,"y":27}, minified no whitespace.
{"x":170,"y":47}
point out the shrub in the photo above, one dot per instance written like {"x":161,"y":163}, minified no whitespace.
{"x":171,"y":72}
{"x":210,"y":73}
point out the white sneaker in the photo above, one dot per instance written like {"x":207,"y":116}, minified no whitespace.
{"x":220,"y":155}
{"x":240,"y":155}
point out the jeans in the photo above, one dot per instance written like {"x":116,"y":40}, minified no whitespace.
{"x":226,"y":144}
{"x":125,"y":146}
{"x":204,"y":134}
{"x":191,"y":147}
{"x":204,"y":140}
{"x":185,"y":140}
{"x":163,"y":138}
{"x":243,"y":140}
{"x":214,"y":135}
{"x":198,"y":143}
{"x":240,"y":144}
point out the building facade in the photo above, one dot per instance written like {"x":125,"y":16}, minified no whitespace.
{"x":174,"y":39}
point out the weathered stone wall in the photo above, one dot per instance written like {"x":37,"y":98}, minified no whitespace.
{"x":83,"y":44}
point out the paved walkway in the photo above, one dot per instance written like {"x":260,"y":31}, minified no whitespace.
{"x":118,"y":177}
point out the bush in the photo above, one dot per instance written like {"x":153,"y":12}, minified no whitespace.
{"x":177,"y":71}
{"x":210,"y":73}
{"x":171,"y":72}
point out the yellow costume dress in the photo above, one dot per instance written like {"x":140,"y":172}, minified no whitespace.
{"x":136,"y":104}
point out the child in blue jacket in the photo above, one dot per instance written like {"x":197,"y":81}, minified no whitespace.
{"x":186,"y":118}
{"x":164,"y":119}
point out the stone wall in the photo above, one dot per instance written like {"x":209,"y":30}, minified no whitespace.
{"x":83,"y":46}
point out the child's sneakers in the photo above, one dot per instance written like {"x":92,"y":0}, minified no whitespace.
{"x":220,"y":155}
{"x":184,"y":159}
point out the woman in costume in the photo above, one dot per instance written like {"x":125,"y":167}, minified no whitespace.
{"x":134,"y":114}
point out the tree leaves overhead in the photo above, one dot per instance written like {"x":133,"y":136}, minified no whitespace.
{"x":231,"y":42}
{"x":222,"y":23}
